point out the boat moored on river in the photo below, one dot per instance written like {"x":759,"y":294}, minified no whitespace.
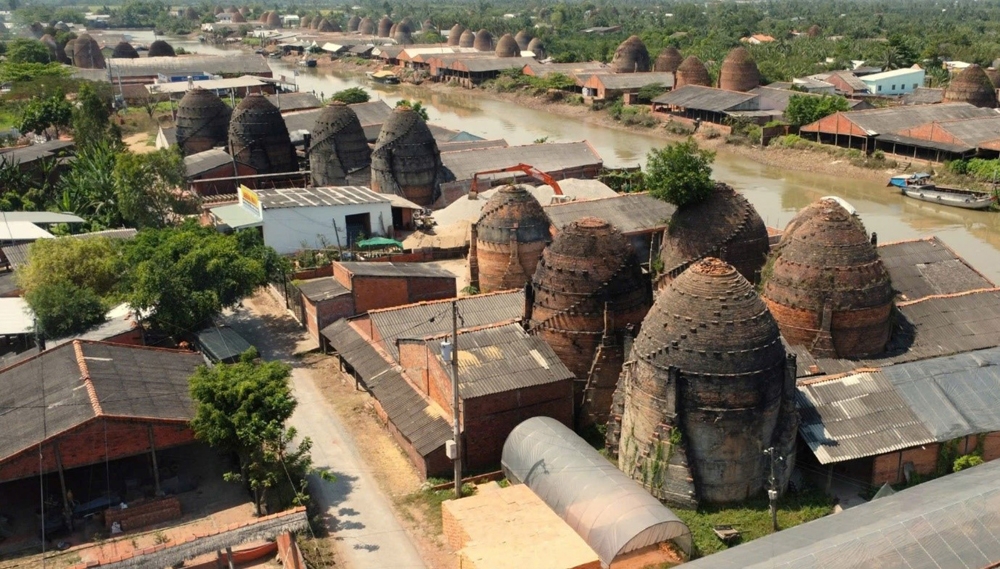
{"x":920,"y":187}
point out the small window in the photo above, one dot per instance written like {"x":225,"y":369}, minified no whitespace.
{"x":879,"y":87}
{"x":914,"y":85}
{"x":893,"y":86}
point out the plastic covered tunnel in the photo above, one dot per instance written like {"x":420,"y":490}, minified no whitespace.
{"x":610,"y":511}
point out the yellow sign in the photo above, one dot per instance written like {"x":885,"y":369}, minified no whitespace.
{"x":250,"y":198}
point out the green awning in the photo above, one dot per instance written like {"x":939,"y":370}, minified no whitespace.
{"x":378,"y":242}
{"x":236,"y":216}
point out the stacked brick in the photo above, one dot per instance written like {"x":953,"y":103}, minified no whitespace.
{"x":707,"y":386}
{"x":587,"y":293}
{"x":143,"y":514}
{"x":827,"y":287}
{"x":724,"y":225}
{"x":509,"y":238}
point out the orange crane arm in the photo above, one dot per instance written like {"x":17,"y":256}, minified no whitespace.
{"x":523,"y":168}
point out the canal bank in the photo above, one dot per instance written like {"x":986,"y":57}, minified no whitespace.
{"x":777,"y":191}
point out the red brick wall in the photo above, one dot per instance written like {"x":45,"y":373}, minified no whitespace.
{"x":85,"y":445}
{"x":932,"y":132}
{"x":439,"y":381}
{"x":142,"y":514}
{"x":321,"y":315}
{"x":413,"y":356}
{"x":288,"y":551}
{"x":888,"y":467}
{"x":991,"y":446}
{"x":424,"y":289}
{"x":342,"y":275}
{"x":371,"y":293}
{"x":203,"y":188}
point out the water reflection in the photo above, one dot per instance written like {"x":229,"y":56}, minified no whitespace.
{"x":777,"y":194}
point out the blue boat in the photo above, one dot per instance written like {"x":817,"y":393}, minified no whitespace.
{"x":919,"y":186}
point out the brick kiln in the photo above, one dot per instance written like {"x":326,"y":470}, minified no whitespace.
{"x":202,"y":121}
{"x":669,"y":60}
{"x":339,"y":146}
{"x":86,"y":53}
{"x":259,"y":138}
{"x":508,"y":240}
{"x":827,"y":286}
{"x":631,"y":56}
{"x":724,"y":225}
{"x":692,"y":71}
{"x":739,"y":71}
{"x":406,"y":160}
{"x":587,"y":292}
{"x":707,"y":387}
{"x":483,"y":41}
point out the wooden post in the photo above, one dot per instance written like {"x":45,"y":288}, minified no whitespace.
{"x":152,"y":453}
{"x":229,"y":557}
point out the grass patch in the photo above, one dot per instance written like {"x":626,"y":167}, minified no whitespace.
{"x":752,"y":518}
{"x":428,"y":504}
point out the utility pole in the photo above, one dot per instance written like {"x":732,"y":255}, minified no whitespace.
{"x":449,"y":351}
{"x":772,"y":490}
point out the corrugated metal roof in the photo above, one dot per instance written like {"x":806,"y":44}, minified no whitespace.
{"x":323,"y":288}
{"x":457,"y":146}
{"x":926,"y":267}
{"x":925,"y":143}
{"x":421,"y":423}
{"x":15,"y":317}
{"x":974,"y":132}
{"x":630,"y":213}
{"x":434,"y":318}
{"x":503,"y":358}
{"x":295,"y":101}
{"x":895,"y":119}
{"x":632,"y":80}
{"x":856,"y":416}
{"x":27,"y":154}
{"x":924,"y":96}
{"x":201,"y":162}
{"x":41,"y":217}
{"x":402,"y":270}
{"x":549,"y":157}
{"x":222,"y":344}
{"x":372,"y":113}
{"x":277,"y":198}
{"x":947,"y":523}
{"x":490,"y":64}
{"x":208,"y":84}
{"x":704,"y":98}
{"x":231,"y":64}
{"x":21,"y":231}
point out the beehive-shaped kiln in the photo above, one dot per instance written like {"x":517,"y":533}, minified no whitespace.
{"x":392,"y":30}
{"x":245,"y":10}
{"x":708,"y":386}
{"x":692,"y":72}
{"x":484,"y":41}
{"x":536,"y":47}
{"x":586,"y":293}
{"x":237,"y":18}
{"x":455,"y":34}
{"x":468,"y":39}
{"x":972,"y":86}
{"x":384,"y":27}
{"x":326,"y":26}
{"x":86,"y":53}
{"x":631,"y":57}
{"x":68,"y":49}
{"x":427,"y":27}
{"x":406,"y":161}
{"x":202,"y":121}
{"x":508,"y":240}
{"x":273,"y":20}
{"x":739,"y":71}
{"x":827,"y":286}
{"x":160,"y":48}
{"x":190,"y":14}
{"x":366,"y":27}
{"x":403,"y":35}
{"x":305,"y":21}
{"x":314,"y":24}
{"x":353,"y":23}
{"x":669,"y":60}
{"x":723,"y":225}
{"x":258,"y":137}
{"x":994,"y":76}
{"x":507,"y":47}
{"x":814,"y":31}
{"x":523,"y":38}
{"x":217,"y":10}
{"x":263,"y":17}
{"x":339,"y":147}
{"x":56,"y":52}
{"x":124,"y":50}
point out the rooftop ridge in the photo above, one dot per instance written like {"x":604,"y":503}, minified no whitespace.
{"x":914,"y":240}
{"x":836,"y":376}
{"x":598,"y":199}
{"x":33,"y":358}
{"x":952,"y":295}
{"x":81,"y":361}
{"x":443,"y":300}
{"x":461,"y":331}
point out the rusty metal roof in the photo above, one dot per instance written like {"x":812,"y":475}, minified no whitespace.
{"x":503,"y":358}
{"x":630,"y":213}
{"x":402,"y":270}
{"x":420,"y":422}
{"x":927,"y":267}
{"x":434,"y":318}
{"x":550,"y":157}
{"x":705,"y":98}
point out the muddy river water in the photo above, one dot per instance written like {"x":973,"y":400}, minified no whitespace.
{"x":776,"y":193}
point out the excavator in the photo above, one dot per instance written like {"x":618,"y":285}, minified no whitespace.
{"x":523,"y":168}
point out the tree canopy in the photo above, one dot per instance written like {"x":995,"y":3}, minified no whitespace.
{"x":351,"y":96}
{"x":806,"y":109}
{"x":40,"y":115}
{"x":680,"y":173}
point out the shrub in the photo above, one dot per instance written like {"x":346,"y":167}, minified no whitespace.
{"x":967,"y":461}
{"x":680,"y":173}
{"x":351,"y":96}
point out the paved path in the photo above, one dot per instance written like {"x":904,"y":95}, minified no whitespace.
{"x":358,"y":513}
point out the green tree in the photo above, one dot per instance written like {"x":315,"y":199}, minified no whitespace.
{"x":88,"y":188}
{"x":62,"y":308}
{"x":680,"y":173}
{"x":351,"y":96}
{"x":649,"y":92}
{"x":91,"y":117}
{"x":84,"y":263}
{"x":186,"y":274}
{"x":27,"y":51}
{"x":806,"y":109}
{"x":415,"y":106}
{"x":145,"y":186}
{"x":42,"y":114}
{"x":243,"y":409}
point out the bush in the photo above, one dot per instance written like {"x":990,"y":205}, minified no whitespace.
{"x":676,"y":127}
{"x":62,"y":308}
{"x":681,"y":173}
{"x":967,"y":461}
{"x":351,"y":96}
{"x":960,"y":167}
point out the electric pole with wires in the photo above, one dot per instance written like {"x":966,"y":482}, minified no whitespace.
{"x":449,"y":352}
{"x":772,"y":488}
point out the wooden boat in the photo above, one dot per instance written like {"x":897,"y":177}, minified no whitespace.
{"x":920,"y":187}
{"x":384,"y":77}
{"x":307,"y":62}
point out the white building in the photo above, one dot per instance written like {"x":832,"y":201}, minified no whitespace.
{"x":292,"y":219}
{"x":895,"y":82}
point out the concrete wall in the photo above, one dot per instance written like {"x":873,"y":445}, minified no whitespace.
{"x":286,"y":229}
{"x":896,"y":85}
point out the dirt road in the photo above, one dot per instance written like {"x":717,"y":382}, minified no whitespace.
{"x":359,"y":515}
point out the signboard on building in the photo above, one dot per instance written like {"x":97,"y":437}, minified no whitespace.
{"x":250,"y":200}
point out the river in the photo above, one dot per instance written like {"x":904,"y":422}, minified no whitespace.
{"x":776,"y":193}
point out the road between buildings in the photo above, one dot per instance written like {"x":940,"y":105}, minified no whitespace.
{"x":359,"y":515}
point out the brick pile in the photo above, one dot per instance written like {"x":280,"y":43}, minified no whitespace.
{"x":143,"y":514}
